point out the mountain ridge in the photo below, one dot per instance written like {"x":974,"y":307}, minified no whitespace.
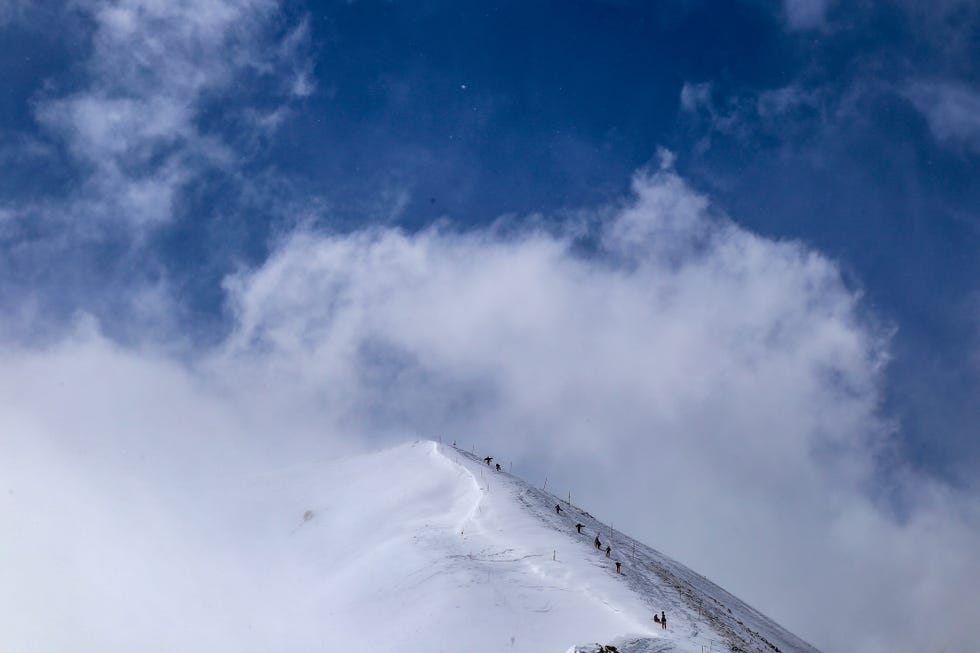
{"x":653,"y":576}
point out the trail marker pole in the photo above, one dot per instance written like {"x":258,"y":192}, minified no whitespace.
{"x":545,"y":483}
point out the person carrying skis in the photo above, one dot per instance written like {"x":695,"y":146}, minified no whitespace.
{"x":598,"y":544}
{"x":579,"y":526}
{"x":488,"y":459}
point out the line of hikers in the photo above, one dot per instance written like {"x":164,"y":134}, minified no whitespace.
{"x":598,"y":544}
{"x":660,"y":619}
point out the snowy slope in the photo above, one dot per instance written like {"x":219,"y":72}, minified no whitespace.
{"x":451,"y":555}
{"x":444,"y":557}
{"x":417,"y":548}
{"x":700,"y":614}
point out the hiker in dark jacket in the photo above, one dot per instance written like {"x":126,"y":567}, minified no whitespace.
{"x":618,"y":565}
{"x":663,"y":620}
{"x":579,"y":526}
{"x":608,"y":551}
{"x":597,"y":543}
{"x":558,"y":508}
{"x":498,"y":467}
{"x":488,"y":459}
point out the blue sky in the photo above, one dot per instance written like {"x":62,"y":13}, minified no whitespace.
{"x":180,"y":178}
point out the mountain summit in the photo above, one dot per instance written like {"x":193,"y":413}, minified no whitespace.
{"x":448,"y":553}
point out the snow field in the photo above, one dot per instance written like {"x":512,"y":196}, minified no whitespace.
{"x":417,"y":548}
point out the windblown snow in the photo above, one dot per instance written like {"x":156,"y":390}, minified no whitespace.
{"x":418,"y":548}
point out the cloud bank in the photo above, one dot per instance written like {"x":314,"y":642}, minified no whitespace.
{"x":713,"y":392}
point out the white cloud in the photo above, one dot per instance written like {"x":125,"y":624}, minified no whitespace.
{"x":709,"y":390}
{"x":133,"y":127}
{"x":127,"y":485}
{"x":778,"y":101}
{"x":302,"y":81}
{"x":951,"y":109}
{"x":805,"y":14}
{"x":777,"y":110}
{"x":695,"y":96}
{"x":725,"y":381}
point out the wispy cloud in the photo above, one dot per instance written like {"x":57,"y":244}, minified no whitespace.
{"x":805,"y":14}
{"x":746,"y":114}
{"x":133,"y":127}
{"x":952,"y":110}
{"x":9,"y":10}
{"x":160,"y":110}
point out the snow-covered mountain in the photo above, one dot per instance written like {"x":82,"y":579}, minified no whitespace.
{"x":445,"y":553}
{"x":419,"y":548}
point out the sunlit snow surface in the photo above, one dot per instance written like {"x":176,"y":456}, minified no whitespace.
{"x":418,"y":548}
